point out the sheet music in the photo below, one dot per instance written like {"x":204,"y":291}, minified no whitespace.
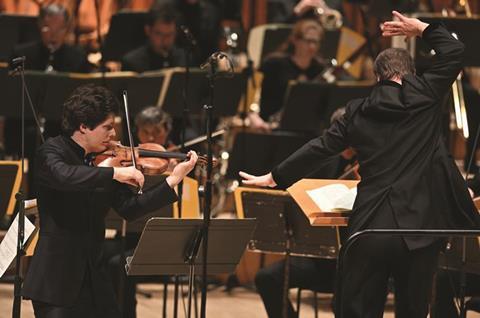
{"x":333,"y":197}
{"x":8,"y":246}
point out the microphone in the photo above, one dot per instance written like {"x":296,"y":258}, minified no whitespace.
{"x":16,"y":64}
{"x":188,"y":35}
{"x":18,"y":60}
{"x":212,"y":59}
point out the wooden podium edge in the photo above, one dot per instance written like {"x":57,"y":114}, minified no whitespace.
{"x":298,"y":191}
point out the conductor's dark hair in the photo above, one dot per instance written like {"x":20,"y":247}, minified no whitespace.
{"x":393,"y":62}
{"x":53,"y":9}
{"x":164,"y":13}
{"x":89,"y":105}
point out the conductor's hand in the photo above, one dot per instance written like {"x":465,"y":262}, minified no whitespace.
{"x":261,"y":181}
{"x":182,"y":169}
{"x":129,"y":175}
{"x":404,"y":26}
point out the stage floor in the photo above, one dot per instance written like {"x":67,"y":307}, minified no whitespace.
{"x":241,"y":303}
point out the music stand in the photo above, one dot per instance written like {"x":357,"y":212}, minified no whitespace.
{"x":277,"y":212}
{"x":268,"y":38}
{"x":16,"y":29}
{"x":152,"y":258}
{"x":467,"y":30}
{"x":304,"y":108}
{"x":10,"y":181}
{"x":11,"y":100}
{"x":269,"y":150}
{"x":228,"y":92}
{"x":451,"y":259}
{"x":126,"y":33}
{"x":50,"y":90}
{"x":283,"y":228}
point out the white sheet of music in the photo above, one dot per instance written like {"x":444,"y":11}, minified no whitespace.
{"x":8,"y":246}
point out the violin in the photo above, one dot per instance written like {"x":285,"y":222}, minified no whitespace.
{"x":151,"y":158}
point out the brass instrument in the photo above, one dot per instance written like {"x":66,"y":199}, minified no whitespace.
{"x":330,"y":19}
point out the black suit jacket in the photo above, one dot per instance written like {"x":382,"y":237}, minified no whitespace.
{"x":66,"y":59}
{"x":144,"y":59}
{"x":73,"y":199}
{"x":405,"y":167}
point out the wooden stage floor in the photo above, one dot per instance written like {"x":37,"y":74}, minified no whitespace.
{"x":241,"y":303}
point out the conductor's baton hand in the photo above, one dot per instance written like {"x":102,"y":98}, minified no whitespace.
{"x":403,"y":26}
{"x":261,"y":181}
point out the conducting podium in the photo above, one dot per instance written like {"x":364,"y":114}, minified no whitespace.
{"x":306,"y":193}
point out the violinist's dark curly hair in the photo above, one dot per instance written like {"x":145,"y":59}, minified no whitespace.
{"x":89,"y":105}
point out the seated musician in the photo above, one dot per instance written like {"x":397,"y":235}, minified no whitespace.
{"x":66,"y":278}
{"x":52,"y":53}
{"x":160,"y":50}
{"x":297,"y":60}
{"x":316,"y":274}
{"x":153,"y":125}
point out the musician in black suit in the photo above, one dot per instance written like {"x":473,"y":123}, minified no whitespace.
{"x":65,"y":278}
{"x":409,"y":181}
{"x":51,"y":52}
{"x":160,"y":51}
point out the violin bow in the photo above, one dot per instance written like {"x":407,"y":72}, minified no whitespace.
{"x":129,"y":130}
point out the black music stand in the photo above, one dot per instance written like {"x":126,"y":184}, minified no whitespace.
{"x":272,"y":36}
{"x":50,"y":90}
{"x":16,"y":29}
{"x":11,"y":100}
{"x":452,"y":257}
{"x":10,"y":180}
{"x":467,"y":30}
{"x":278,"y":213}
{"x":304,"y":109}
{"x":228,"y":92}
{"x":269,"y":150}
{"x":154,"y":256}
{"x":284,"y":228}
{"x":126,"y":33}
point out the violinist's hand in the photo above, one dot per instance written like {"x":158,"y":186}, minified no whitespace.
{"x":182,"y":169}
{"x":262,"y":181}
{"x":404,"y":26}
{"x":129,"y":175}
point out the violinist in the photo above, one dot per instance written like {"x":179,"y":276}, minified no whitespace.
{"x":66,"y":278}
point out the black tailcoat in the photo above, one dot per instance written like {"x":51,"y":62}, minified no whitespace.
{"x":405,"y":167}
